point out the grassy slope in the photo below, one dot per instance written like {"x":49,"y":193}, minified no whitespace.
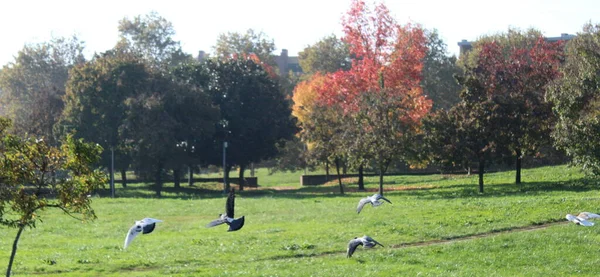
{"x":304,"y":232}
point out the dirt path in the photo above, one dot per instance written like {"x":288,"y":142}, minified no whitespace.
{"x":435,"y":242}
{"x":477,"y":236}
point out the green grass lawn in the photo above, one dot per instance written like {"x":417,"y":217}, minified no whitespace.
{"x":304,"y":231}
{"x":264,"y":176}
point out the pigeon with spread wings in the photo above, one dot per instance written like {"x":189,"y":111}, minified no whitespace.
{"x":365,"y":241}
{"x":582,"y":218}
{"x":144,"y":226}
{"x":228,"y":218}
{"x":373,"y":200}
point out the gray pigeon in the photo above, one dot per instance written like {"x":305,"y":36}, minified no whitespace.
{"x":228,"y":218}
{"x":144,"y":226}
{"x":365,"y":241}
{"x":582,"y":218}
{"x":373,"y":200}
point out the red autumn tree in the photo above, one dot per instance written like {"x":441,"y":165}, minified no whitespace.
{"x":514,"y":69}
{"x":386,"y":56}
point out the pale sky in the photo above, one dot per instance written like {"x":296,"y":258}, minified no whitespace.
{"x":292,"y":25}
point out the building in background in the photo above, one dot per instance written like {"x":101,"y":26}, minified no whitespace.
{"x":284,"y":62}
{"x":287,"y":63}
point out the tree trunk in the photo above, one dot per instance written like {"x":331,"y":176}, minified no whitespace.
{"x":481,"y":169}
{"x":176,"y":181}
{"x":241,"y":180}
{"x":190,"y":175}
{"x":361,"y":179}
{"x":14,"y":250}
{"x":123,"y":177}
{"x":381,"y":181}
{"x":518,"y":176}
{"x":158,"y":179}
{"x":344,"y":168}
{"x":382,"y":169}
{"x":327,"y":171}
{"x":337,"y":168}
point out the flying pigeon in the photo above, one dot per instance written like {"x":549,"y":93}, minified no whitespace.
{"x":582,"y":218}
{"x":228,"y":218}
{"x":144,"y":226}
{"x":365,"y":241}
{"x":373,"y":200}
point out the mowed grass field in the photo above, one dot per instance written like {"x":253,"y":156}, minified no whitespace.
{"x":438,"y":225}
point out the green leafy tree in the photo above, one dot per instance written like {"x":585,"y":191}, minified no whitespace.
{"x":152,"y":37}
{"x":328,"y":55}
{"x":439,"y":70}
{"x":459,"y":137}
{"x":389,"y":128}
{"x":32,"y":85}
{"x":36,"y":176}
{"x":255,"y":114}
{"x":168,"y":112}
{"x":576,"y":101}
{"x":95,"y":102}
{"x":233,"y":44}
{"x":196,"y":117}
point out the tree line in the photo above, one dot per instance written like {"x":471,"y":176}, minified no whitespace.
{"x":153,"y":107}
{"x":515,"y":94}
{"x":384,"y":93}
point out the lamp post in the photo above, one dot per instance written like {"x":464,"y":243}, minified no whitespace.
{"x":224,"y":166}
{"x":225,"y":123}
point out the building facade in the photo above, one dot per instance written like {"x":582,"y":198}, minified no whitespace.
{"x":284,"y":62}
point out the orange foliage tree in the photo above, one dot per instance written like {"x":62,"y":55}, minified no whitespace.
{"x":386,"y":56}
{"x":319,"y":124}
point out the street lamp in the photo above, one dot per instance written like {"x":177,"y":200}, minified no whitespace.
{"x":224,"y":166}
{"x":224,"y":123}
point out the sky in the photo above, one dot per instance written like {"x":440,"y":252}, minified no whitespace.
{"x":291,"y":24}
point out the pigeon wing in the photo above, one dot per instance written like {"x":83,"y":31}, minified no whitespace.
{"x":362,"y":203}
{"x":386,"y":199}
{"x":588,"y":215}
{"x":372,"y":241}
{"x":216,"y":222}
{"x":584,"y":222}
{"x":149,"y":220}
{"x":352,"y":247}
{"x":229,"y":206}
{"x":130,"y":236}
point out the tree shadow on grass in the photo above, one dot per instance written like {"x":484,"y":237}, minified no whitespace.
{"x":503,"y":189}
{"x":427,"y":190}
